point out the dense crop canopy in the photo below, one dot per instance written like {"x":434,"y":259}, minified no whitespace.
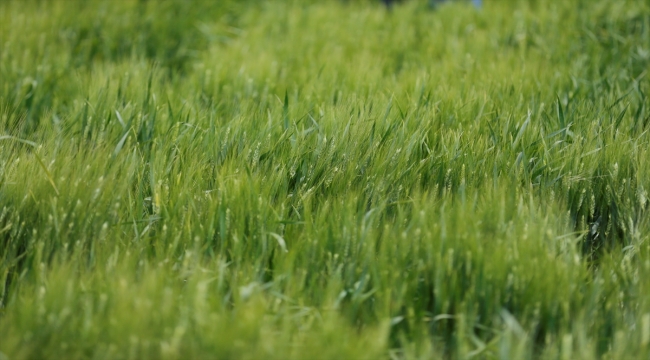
{"x":324,"y":179}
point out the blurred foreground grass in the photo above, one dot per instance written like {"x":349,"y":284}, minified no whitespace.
{"x":325,"y":180}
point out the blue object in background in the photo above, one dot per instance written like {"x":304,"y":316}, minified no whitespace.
{"x":477,"y":3}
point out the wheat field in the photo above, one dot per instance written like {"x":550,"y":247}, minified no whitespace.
{"x":324,"y":180}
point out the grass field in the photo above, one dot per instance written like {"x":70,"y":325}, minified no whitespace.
{"x":324,"y":180}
